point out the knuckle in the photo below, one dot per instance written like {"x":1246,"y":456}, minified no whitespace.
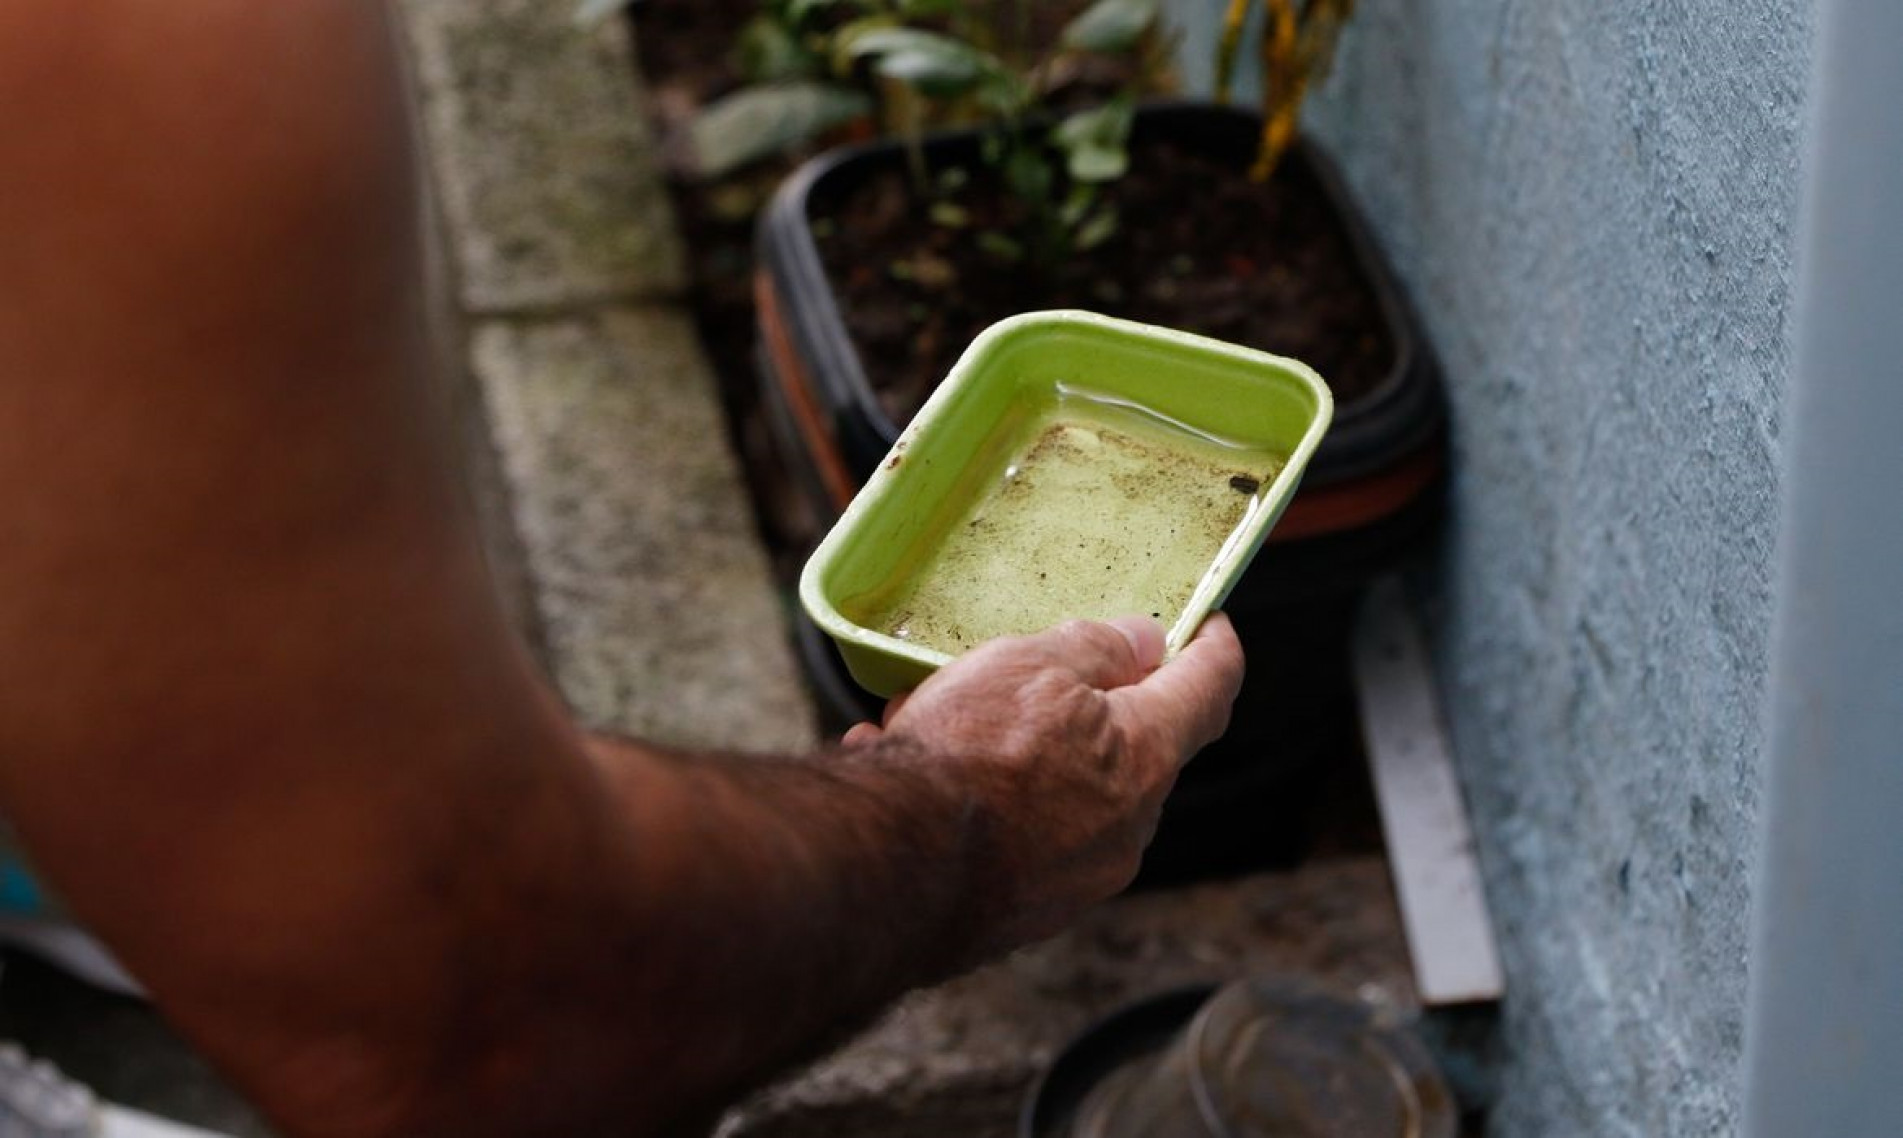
{"x":1058,"y":694}
{"x":1093,"y":637}
{"x":1047,"y":683}
{"x":1076,"y":629}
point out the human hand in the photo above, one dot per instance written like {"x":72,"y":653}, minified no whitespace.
{"x":1063,"y":746}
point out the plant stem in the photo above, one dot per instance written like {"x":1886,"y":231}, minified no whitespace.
{"x":1282,"y":86}
{"x":911,"y":113}
{"x":1021,"y":31}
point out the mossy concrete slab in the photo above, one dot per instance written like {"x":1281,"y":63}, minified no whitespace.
{"x":959,"y":1059}
{"x":539,"y":143}
{"x":657,"y":611}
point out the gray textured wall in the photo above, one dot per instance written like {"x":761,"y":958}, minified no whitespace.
{"x":1593,"y":204}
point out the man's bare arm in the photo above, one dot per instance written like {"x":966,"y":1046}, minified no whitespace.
{"x":261,"y":719}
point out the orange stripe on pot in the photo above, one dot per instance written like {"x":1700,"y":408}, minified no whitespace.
{"x":1361,"y":501}
{"x":791,"y":375}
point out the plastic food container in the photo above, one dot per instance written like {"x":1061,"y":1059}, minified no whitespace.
{"x":1071,"y":466}
{"x":1274,"y":1058}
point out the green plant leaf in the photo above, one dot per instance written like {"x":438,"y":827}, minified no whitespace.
{"x":913,"y":9}
{"x":753,"y":123}
{"x":937,"y":76}
{"x":1005,"y":94}
{"x":1100,"y":228}
{"x":1097,"y":163}
{"x":1028,"y":175}
{"x":845,"y":40}
{"x":1000,"y":246}
{"x":936,"y":64}
{"x":769,"y":51}
{"x":892,"y":39}
{"x":799,"y":11}
{"x":1106,"y":129}
{"x":1111,"y":26}
{"x":1077,"y":204}
{"x":950,"y":215}
{"x":1096,"y":142}
{"x":588,"y":13}
{"x":1099,"y":125}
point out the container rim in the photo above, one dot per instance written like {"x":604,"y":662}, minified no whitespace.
{"x":1208,"y":591}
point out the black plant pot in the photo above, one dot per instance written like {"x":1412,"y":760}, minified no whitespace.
{"x":803,"y":329}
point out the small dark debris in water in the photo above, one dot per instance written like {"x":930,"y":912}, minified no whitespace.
{"x":1245,"y":484}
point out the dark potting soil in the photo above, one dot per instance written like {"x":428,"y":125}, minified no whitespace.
{"x":1199,"y":247}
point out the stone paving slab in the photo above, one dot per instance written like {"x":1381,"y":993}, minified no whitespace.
{"x":658,"y":612}
{"x":959,"y":1059}
{"x":540,"y":148}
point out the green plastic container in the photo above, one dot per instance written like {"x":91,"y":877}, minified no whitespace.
{"x":1071,"y":465}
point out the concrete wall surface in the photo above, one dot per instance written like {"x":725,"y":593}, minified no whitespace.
{"x":1593,"y":204}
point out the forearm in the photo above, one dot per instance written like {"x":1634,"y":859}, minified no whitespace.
{"x":569,"y":944}
{"x":769,"y":905}
{"x":728,"y":916}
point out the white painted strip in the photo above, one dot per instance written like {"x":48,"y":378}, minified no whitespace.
{"x":118,"y":1122}
{"x":66,"y":946}
{"x":1430,"y":844}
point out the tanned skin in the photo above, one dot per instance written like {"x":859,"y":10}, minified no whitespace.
{"x":263,"y":724}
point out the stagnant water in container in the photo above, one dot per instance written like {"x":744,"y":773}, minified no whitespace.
{"x":1102,"y":509}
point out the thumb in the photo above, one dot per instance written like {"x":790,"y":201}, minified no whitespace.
{"x":1146,"y":637}
{"x":1189,"y":699}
